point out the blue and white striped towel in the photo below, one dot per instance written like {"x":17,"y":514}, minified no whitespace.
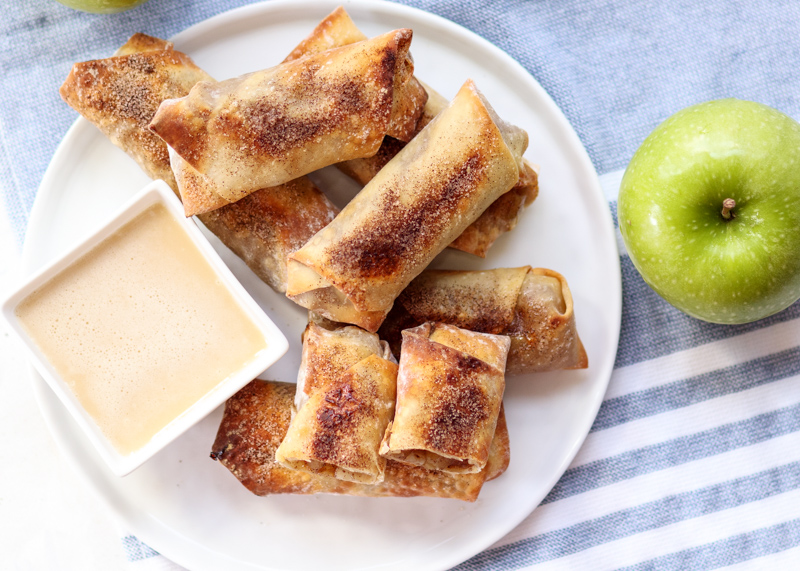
{"x":694,"y":459}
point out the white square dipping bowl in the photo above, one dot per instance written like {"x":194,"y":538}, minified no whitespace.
{"x":276,"y":343}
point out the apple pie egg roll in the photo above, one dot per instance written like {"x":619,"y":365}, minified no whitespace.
{"x":200,"y":194}
{"x":352,"y":270}
{"x":345,"y":399}
{"x":256,"y":420}
{"x":336,"y":30}
{"x":268,"y":127}
{"x":501,"y":216}
{"x":533,"y":306}
{"x":449,"y":391}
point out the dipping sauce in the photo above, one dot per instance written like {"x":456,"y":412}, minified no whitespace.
{"x":140,"y":328}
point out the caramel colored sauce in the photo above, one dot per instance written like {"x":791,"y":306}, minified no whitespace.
{"x":140,"y":328}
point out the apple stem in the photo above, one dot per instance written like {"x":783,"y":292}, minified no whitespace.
{"x":727,"y":206}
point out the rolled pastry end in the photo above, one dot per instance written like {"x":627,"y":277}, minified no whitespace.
{"x":140,"y":42}
{"x":583,"y":357}
{"x":196,"y":191}
{"x":544,"y":335}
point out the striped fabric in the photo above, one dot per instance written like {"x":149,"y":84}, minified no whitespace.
{"x":694,"y":459}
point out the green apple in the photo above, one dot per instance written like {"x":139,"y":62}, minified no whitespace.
{"x":102,"y":6}
{"x":709,"y":210}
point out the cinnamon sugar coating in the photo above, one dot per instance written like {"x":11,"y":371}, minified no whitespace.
{"x":409,"y":97}
{"x":500,"y":217}
{"x":449,"y":391}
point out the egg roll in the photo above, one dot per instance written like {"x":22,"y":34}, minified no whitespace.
{"x":344,"y":401}
{"x":256,"y":419}
{"x":532,"y":306}
{"x":337,"y":30}
{"x":268,"y":127}
{"x":121,"y":94}
{"x":501,"y":216}
{"x":200,"y":194}
{"x":450,"y":388}
{"x":352,"y":270}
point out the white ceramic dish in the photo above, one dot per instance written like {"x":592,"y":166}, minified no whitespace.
{"x":156,"y":192}
{"x":190,"y":508}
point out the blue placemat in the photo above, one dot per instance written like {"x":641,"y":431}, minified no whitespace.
{"x":694,"y":460}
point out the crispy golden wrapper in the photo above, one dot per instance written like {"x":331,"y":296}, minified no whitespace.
{"x":345,"y":398}
{"x":268,"y":127}
{"x":337,"y":30}
{"x":533,"y":306}
{"x":353,"y":269}
{"x":200,"y":194}
{"x":255,"y":422}
{"x":139,"y":43}
{"x":329,"y":350}
{"x":449,"y":391}
{"x":502,"y":216}
{"x":120,"y":95}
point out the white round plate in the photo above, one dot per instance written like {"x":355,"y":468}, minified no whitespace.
{"x":191,"y":509}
